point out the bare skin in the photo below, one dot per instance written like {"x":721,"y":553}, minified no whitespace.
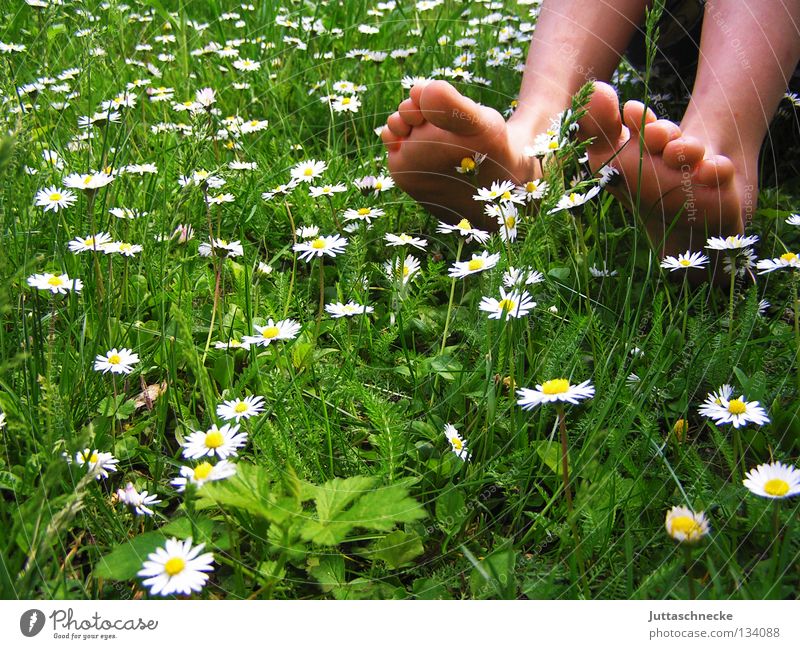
{"x":436,"y":127}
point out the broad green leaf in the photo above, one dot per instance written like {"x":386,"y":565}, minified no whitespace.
{"x":126,"y":559}
{"x":328,"y":571}
{"x":398,"y":548}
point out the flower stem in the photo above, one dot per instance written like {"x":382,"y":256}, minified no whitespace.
{"x":796,"y":306}
{"x":450,"y":301}
{"x":730,"y":301}
{"x":687,"y":567}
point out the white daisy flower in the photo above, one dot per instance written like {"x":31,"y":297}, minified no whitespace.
{"x":307,"y":232}
{"x":55,"y":283}
{"x":477,"y":264}
{"x":94,"y":242}
{"x":554,"y":390}
{"x":363,"y":214}
{"x":240,"y":408}
{"x":794,"y":219}
{"x":281,"y":330}
{"x":404,"y":239}
{"x":96,"y":462}
{"x":346,"y":104}
{"x":686,"y":526}
{"x":126,"y":213}
{"x":457,"y":443}
{"x":307,"y":170}
{"x":233,"y":343}
{"x":786,"y":260}
{"x":507,"y":217}
{"x":339,"y":310}
{"x":88,"y":182}
{"x":735,"y":242}
{"x":774,"y":480}
{"x":139,"y":502}
{"x":519,"y":276}
{"x":499,"y":191}
{"x":326,"y":190}
{"x":123,"y":248}
{"x":221,"y":248}
{"x":221,"y":442}
{"x":201,"y":473}
{"x":246,"y":65}
{"x":510,"y":305}
{"x":116,"y":361}
{"x":575,"y":199}
{"x":52,"y":198}
{"x":331,"y":245}
{"x":404,"y":270}
{"x":205,"y":97}
{"x":465,"y":229}
{"x":724,"y":410}
{"x":533,"y":190}
{"x":2,"y":420}
{"x":470,"y":165}
{"x":176,"y":568}
{"x":280,"y":190}
{"x":684,"y":261}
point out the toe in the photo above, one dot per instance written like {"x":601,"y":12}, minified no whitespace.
{"x":391,"y":141}
{"x":633,"y":111}
{"x":415,"y":94}
{"x":602,"y":119}
{"x":660,"y":133}
{"x":445,"y":107}
{"x":683,"y":151}
{"x":410,"y":113}
{"x":714,"y":171}
{"x":398,"y":125}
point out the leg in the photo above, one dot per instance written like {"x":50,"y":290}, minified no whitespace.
{"x":574,"y":42}
{"x":701,"y":176}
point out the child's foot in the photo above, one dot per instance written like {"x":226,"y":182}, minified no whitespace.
{"x":686,"y":191}
{"x":433,"y":131}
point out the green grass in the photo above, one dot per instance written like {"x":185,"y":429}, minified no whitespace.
{"x":347,"y":487}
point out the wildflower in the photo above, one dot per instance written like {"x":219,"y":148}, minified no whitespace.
{"x":774,"y":480}
{"x":233,"y":343}
{"x":240,"y":408}
{"x":116,"y":361}
{"x":96,"y":462}
{"x":176,"y":568}
{"x":544,"y":143}
{"x":596,"y":272}
{"x":2,"y":420}
{"x":554,"y":390}
{"x":339,"y":310}
{"x":204,"y":472}
{"x":54,"y":199}
{"x":457,"y":443}
{"x":206,"y":97}
{"x":686,"y":526}
{"x":283,"y":189}
{"x":469,"y":166}
{"x":735,"y":242}
{"x":307,"y":232}
{"x":123,"y":248}
{"x":477,"y":264}
{"x":306,"y":171}
{"x":331,"y":246}
{"x":90,"y":242}
{"x":680,"y":429}
{"x":465,"y":229}
{"x":125,"y":213}
{"x":363,"y":214}
{"x":575,"y":199}
{"x":511,"y":305}
{"x":684,"y":261}
{"x":246,"y":65}
{"x":140,"y":502}
{"x":221,"y":248}
{"x":264,"y":268}
{"x":786,"y":260}
{"x":221,"y":442}
{"x":88,"y":182}
{"x":498,"y":191}
{"x":507,"y":217}
{"x":794,"y":219}
{"x":724,"y":410}
{"x":281,"y":330}
{"x":533,"y":190}
{"x":326,"y":190}
{"x":346,"y":104}
{"x":518,"y":276}
{"x":405,"y":239}
{"x":405,"y":270}
{"x":55,"y":283}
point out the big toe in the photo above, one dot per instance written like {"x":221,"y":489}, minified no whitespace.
{"x":445,"y":107}
{"x":602,"y":120}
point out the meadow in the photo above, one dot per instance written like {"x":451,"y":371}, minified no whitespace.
{"x":222,"y":324}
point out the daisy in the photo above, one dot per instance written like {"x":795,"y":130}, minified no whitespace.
{"x":246,"y":65}
{"x":88,"y":182}
{"x":465,"y":229}
{"x":204,"y":472}
{"x":339,"y":310}
{"x":574,"y":199}
{"x":786,"y":260}
{"x":554,"y":390}
{"x":331,"y":246}
{"x":233,"y":343}
{"x":96,"y":462}
{"x":405,"y":270}
{"x":519,"y":276}
{"x":405,"y":239}
{"x":510,"y":305}
{"x":500,"y":190}
{"x":306,"y":171}
{"x":90,"y":242}
{"x":281,"y":330}
{"x":794,"y":219}
{"x":363,"y":214}
{"x":264,"y":268}
{"x":326,"y":190}
{"x":116,"y":361}
{"x":507,"y":217}
{"x":735,"y":242}
{"x":126,"y":213}
{"x":724,"y":410}
{"x":221,"y":248}
{"x":138,"y":501}
{"x":206,"y":97}
{"x":686,"y":526}
{"x":346,"y":104}
{"x":51,"y":198}
{"x":533,"y":190}
{"x":240,"y":408}
{"x":684,"y":261}
{"x":457,"y":443}
{"x":307,"y":232}
{"x":775,"y":480}
{"x":55,"y":283}
{"x":176,"y":568}
{"x":470,"y":166}
{"x":123,"y":248}
{"x":221,"y":442}
{"x":477,"y":264}
{"x":2,"y":420}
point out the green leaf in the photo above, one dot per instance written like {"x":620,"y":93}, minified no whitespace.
{"x":550,"y":454}
{"x":398,"y":548}
{"x":450,"y":509}
{"x":328,"y":571}
{"x":494,"y":576}
{"x":126,"y":559}
{"x":248,"y":490}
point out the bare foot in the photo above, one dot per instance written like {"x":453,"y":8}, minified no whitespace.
{"x":433,"y":131}
{"x":686,"y":192}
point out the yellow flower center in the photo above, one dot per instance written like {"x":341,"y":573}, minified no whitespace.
{"x":174,"y":566}
{"x":511,"y":221}
{"x":202,"y":471}
{"x":363,"y":211}
{"x":457,"y":443}
{"x":736,"y":407}
{"x":87,"y":180}
{"x":776,"y":487}
{"x":530,"y":187}
{"x":55,"y":281}
{"x":555,"y":386}
{"x":89,"y":241}
{"x":346,"y":100}
{"x":475,"y":264}
{"x":788,"y":257}
{"x":468,"y":164}
{"x":318,"y":244}
{"x":506,"y":305}
{"x":214,"y":439}
{"x":93,"y":458}
{"x":405,"y":238}
{"x":573,"y":197}
{"x":505,"y":195}
{"x":552,"y":145}
{"x":686,"y":525}
{"x":379,"y":185}
{"x":188,"y":103}
{"x":114,"y":359}
{"x":684,"y":262}
{"x":240,"y":407}
{"x":125,"y":246}
{"x":270,"y":332}
{"x":464,"y":224}
{"x":308,"y":171}
{"x":406,"y":270}
{"x":514,"y":103}
{"x":55,"y":196}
